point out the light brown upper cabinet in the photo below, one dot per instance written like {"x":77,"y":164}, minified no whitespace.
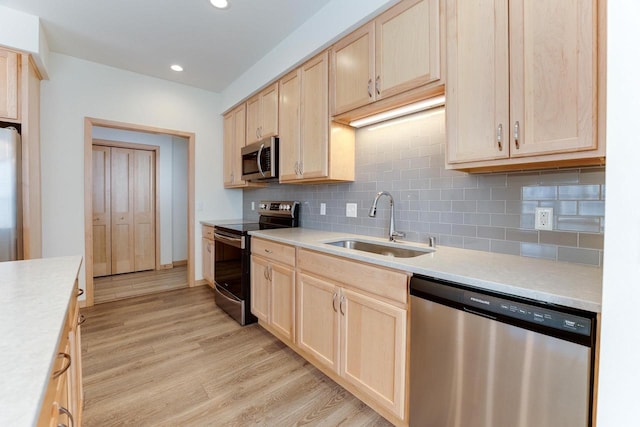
{"x":396,"y":52}
{"x":8,"y":85}
{"x":262,"y":114}
{"x":312,"y":147}
{"x":524,"y":84}
{"x":234,"y":140}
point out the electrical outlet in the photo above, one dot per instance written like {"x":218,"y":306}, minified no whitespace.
{"x":323,"y":208}
{"x":544,"y":219}
{"x":352,"y":210}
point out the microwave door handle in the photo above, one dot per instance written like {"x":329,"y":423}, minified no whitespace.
{"x":260,"y":160}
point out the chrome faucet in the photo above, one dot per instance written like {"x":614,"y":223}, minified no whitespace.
{"x":393,"y":234}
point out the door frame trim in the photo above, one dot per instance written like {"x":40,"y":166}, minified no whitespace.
{"x":89,"y":123}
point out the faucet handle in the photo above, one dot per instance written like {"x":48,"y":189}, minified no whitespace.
{"x":398,"y":235}
{"x":432,"y":241}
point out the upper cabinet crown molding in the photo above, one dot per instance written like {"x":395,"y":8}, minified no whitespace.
{"x":530,"y":93}
{"x":391,"y":61}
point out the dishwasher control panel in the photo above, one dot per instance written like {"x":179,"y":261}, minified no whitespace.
{"x":528,"y":313}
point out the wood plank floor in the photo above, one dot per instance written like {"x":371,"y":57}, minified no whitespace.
{"x":130,"y":285}
{"x":176,"y":359}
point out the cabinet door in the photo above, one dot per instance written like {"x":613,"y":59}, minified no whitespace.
{"x":289,"y":118}
{"x":144,"y":210}
{"x":234,"y":140}
{"x":8,"y":84}
{"x":122,"y":218}
{"x":253,"y":119}
{"x":260,"y":288}
{"x":375,"y":345}
{"x":553,"y":76}
{"x":407,"y":46}
{"x":101,"y":210}
{"x":228,"y":149}
{"x":269,"y":111}
{"x":282,"y":299}
{"x":318,"y":320}
{"x":208,"y":261}
{"x":314,"y":123}
{"x":477,"y":89}
{"x":353,"y":70}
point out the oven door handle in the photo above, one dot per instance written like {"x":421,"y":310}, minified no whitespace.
{"x":260,"y":160}
{"x":237,"y":242}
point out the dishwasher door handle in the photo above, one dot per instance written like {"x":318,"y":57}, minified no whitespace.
{"x":488,"y":316}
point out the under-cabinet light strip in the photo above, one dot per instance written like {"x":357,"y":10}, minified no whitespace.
{"x":401,"y":111}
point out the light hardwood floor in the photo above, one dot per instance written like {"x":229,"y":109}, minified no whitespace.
{"x":129,"y":285}
{"x":175,"y":359}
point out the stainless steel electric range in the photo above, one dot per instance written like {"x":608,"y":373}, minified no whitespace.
{"x":232,"y":269}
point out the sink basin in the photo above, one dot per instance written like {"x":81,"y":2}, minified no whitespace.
{"x":381,"y":249}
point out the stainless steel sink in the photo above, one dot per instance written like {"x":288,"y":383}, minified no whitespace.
{"x":381,"y":249}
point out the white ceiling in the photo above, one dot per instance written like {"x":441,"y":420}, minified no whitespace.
{"x":147,"y":36}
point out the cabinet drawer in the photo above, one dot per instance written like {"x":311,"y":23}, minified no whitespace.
{"x":274,"y":251}
{"x":207,"y":232}
{"x":369,"y":278}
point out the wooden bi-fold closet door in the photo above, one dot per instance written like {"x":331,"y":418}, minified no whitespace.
{"x":126,"y":241}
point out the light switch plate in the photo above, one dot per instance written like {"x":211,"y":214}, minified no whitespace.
{"x":544,"y":219}
{"x":352,"y":210}
{"x":323,"y":208}
{"x":253,"y":206}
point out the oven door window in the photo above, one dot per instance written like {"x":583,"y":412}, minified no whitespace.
{"x":228,"y":268}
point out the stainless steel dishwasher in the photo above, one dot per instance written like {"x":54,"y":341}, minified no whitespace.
{"x":483,"y":359}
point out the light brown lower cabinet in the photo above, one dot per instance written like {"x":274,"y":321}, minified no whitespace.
{"x":273,"y":287}
{"x":347,"y":318}
{"x":208,"y":255}
{"x":63,"y":398}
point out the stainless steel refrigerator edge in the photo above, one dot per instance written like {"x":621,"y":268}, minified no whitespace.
{"x":10,"y":195}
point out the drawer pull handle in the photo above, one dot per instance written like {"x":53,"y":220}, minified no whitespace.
{"x":341,"y":304}
{"x":516,"y":134}
{"x":335,"y":295}
{"x":269,"y":251}
{"x":81,"y":319}
{"x":64,"y":411}
{"x":499,"y":137}
{"x":369,"y":89}
{"x":378,"y":85}
{"x":64,"y":369}
{"x":80,"y":292}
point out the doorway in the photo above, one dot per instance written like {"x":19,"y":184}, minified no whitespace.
{"x":139,"y":253}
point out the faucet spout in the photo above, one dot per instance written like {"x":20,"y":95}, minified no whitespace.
{"x":393,"y":234}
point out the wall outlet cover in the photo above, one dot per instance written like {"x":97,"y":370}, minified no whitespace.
{"x":352,"y":210}
{"x":323,"y":208}
{"x":544,"y":219}
{"x":253,"y":206}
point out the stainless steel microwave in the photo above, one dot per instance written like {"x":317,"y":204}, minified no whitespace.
{"x":260,"y":160}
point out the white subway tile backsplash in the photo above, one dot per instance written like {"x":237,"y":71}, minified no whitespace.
{"x":491,"y":212}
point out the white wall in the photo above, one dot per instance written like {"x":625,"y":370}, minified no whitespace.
{"x":167,"y":186}
{"x":78,"y":89}
{"x":179,"y":182}
{"x":620,"y":345}
{"x":336,"y":18}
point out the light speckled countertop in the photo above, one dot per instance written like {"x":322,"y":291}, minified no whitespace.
{"x":34,"y":297}
{"x":214,"y":222}
{"x":571,"y":285}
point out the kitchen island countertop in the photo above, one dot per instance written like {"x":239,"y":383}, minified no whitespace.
{"x":34,"y":298}
{"x":570,"y":285}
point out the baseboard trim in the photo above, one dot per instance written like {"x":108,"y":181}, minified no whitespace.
{"x":200,"y":282}
{"x":180,"y":263}
{"x":165,"y":267}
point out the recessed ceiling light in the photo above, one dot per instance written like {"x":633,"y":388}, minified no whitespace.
{"x":220,"y":4}
{"x":176,"y":67}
